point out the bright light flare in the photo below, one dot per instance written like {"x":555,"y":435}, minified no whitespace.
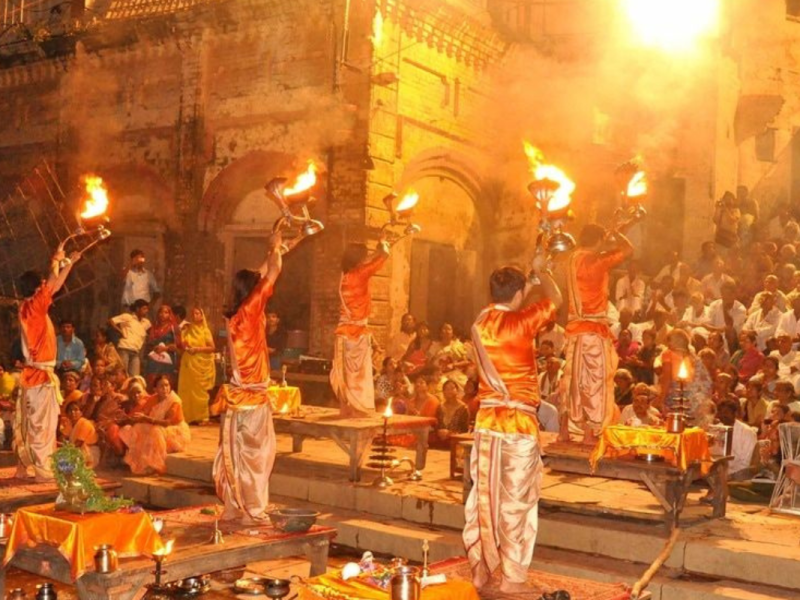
{"x":637,"y":186}
{"x":377,"y":30}
{"x":388,"y":412}
{"x":672,"y":25}
{"x":96,"y":202}
{"x":304,"y":182}
{"x":562,"y":197}
{"x":683,"y":371}
{"x":408,"y":202}
{"x":284,"y":409}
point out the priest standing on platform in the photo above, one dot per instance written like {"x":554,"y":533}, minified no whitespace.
{"x":35,"y":438}
{"x":246,"y":452}
{"x":351,"y":376}
{"x":506,"y":467}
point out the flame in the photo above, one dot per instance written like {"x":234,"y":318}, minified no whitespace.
{"x":166,"y":550}
{"x":96,"y":202}
{"x":408,"y":202}
{"x":304,"y":181}
{"x":284,"y":409}
{"x":377,"y":30}
{"x":562,"y":197}
{"x":388,"y":412}
{"x":672,"y":25}
{"x":637,"y":186}
{"x":683,"y":371}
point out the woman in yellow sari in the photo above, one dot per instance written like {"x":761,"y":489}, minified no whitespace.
{"x":197,"y":371}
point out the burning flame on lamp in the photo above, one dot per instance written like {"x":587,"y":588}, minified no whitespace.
{"x":683,"y":371}
{"x":637,"y":186}
{"x":407,"y":203}
{"x":388,"y":412}
{"x":560,"y":197}
{"x":400,"y":214}
{"x":96,"y":203}
{"x":305,"y":181}
{"x":166,"y":550}
{"x":284,"y":409}
{"x":377,"y":30}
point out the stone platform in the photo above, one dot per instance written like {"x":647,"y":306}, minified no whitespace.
{"x":750,"y":554}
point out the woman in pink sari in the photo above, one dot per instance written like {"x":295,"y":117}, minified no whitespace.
{"x":158,"y":431}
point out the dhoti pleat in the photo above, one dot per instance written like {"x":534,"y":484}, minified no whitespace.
{"x":351,"y":376}
{"x":35,"y":441}
{"x":588,"y":383}
{"x":244,"y":461}
{"x":502,"y":508}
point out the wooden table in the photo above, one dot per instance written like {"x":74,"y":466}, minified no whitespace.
{"x":18,"y":493}
{"x":670,"y":485}
{"x":193,"y":555}
{"x":353,"y":436}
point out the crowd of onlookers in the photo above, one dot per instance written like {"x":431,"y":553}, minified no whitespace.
{"x":119,"y":400}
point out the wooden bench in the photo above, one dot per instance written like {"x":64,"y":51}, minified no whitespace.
{"x":353,"y":436}
{"x":193,"y":556}
{"x":668,"y":484}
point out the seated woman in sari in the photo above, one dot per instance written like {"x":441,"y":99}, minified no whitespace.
{"x":81,"y":433}
{"x":161,"y":349}
{"x":108,"y":415}
{"x":198,"y":371}
{"x":419,"y":352}
{"x":137,"y":399}
{"x":451,"y":354}
{"x":152,"y":435}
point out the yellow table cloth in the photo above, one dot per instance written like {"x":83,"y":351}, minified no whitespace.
{"x":679,"y":449}
{"x":76,"y":536}
{"x":333,"y":586}
{"x":285,"y":399}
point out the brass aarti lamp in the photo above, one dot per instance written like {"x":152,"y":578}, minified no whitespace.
{"x":293,"y":203}
{"x":92,"y":219}
{"x":400,"y":214}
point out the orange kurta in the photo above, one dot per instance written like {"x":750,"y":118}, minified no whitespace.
{"x":588,"y":290}
{"x":507,"y":338}
{"x":355,"y":297}
{"x":38,"y":335}
{"x":249,"y":355}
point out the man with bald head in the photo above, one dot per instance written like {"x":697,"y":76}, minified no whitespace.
{"x":770,"y":287}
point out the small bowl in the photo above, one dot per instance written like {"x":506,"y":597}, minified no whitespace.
{"x":293,"y":520}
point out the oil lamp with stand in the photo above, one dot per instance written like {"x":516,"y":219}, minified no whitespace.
{"x":400,"y":214}
{"x":554,"y":212}
{"x":92,"y":219}
{"x":293,"y":203}
{"x":632,"y":182}
{"x":677,"y":415}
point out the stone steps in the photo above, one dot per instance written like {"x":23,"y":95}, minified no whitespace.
{"x":564,"y":546}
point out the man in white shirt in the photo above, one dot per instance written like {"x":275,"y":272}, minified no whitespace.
{"x":712,"y":283}
{"x":725,"y":315}
{"x":140,"y":284}
{"x":770,"y":287}
{"x":788,"y":360}
{"x":133,"y":328}
{"x":763,"y":321}
{"x":401,"y":340}
{"x":630,"y":290}
{"x":789,"y":323}
{"x":626,"y":322}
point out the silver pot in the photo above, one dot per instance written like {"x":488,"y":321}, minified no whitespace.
{"x":105,"y":559}
{"x":405,"y":584}
{"x":675,"y":422}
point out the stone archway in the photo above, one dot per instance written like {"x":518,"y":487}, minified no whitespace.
{"x":444,"y":269}
{"x":237,"y":218}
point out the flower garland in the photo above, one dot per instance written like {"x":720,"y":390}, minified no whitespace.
{"x":69,"y":465}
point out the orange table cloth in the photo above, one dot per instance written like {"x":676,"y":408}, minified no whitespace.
{"x":285,"y":399}
{"x":75,"y":536}
{"x":679,"y":449}
{"x":355,"y":589}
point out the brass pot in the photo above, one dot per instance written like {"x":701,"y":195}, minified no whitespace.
{"x":105,"y":559}
{"x":405,"y":584}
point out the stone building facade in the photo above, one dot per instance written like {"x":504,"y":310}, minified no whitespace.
{"x":188,"y":107}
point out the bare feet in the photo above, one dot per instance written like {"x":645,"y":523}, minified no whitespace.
{"x":563,"y":436}
{"x":513,"y":587}
{"x":481,"y":577}
{"x":589,"y":438}
{"x":22,"y":473}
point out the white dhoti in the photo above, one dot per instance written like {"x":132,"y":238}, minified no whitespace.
{"x":244,"y":461}
{"x":502,"y":508}
{"x":588,"y":382}
{"x":35,"y":438}
{"x":351,"y":376}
